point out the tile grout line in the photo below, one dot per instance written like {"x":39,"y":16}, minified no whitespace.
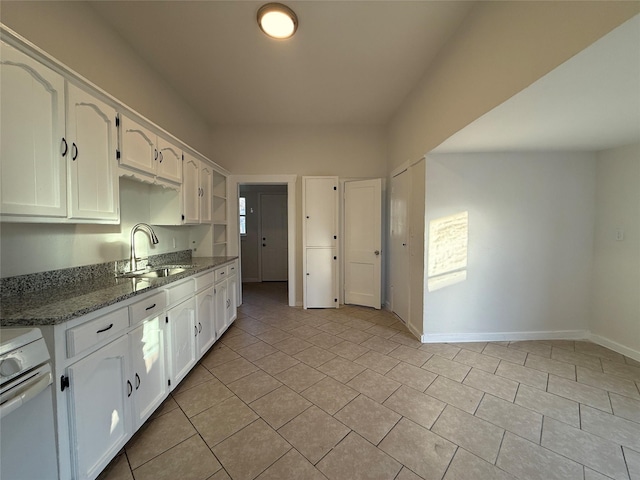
{"x":458,"y":447}
{"x":544,"y":418}
{"x":504,"y":434}
{"x":626,"y":463}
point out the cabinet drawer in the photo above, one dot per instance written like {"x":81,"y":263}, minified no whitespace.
{"x":148,"y":307}
{"x":88,"y":334}
{"x":204,"y":280}
{"x":232,"y":269}
{"x":181,"y":291}
{"x":221,"y":273}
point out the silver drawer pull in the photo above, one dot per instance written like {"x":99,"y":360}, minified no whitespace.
{"x":106,"y":328}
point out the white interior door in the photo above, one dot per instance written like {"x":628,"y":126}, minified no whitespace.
{"x":363,"y":242}
{"x":399,"y":261}
{"x":274,"y":239}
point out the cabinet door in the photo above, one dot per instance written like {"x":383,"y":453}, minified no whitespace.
{"x":320,"y":211}
{"x":220,"y":305}
{"x":169,"y":161}
{"x":190,"y":189}
{"x":138,"y":147}
{"x":182,"y":322}
{"x":148,"y":368}
{"x":99,"y":415}
{"x":32,"y":167}
{"x":320,"y":291}
{"x":206,"y":326}
{"x":232,"y":299}
{"x":206,"y":197}
{"x":92,"y":137}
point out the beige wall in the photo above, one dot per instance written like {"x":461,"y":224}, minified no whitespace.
{"x":500,"y":49}
{"x":615,"y":314}
{"x":346,"y":151}
{"x":75,"y":35}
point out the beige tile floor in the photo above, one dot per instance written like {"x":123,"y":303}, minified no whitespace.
{"x":349,"y":394}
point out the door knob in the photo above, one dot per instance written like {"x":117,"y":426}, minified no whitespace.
{"x":264,"y":244}
{"x":377,"y":252}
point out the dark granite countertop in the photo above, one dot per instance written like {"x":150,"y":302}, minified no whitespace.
{"x":66,"y":294}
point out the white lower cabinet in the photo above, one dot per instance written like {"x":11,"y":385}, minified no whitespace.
{"x":148,"y":367}
{"x":206,"y":327}
{"x":99,"y":407}
{"x":113,"y":391}
{"x":221,"y":301}
{"x":182,"y":340}
{"x":232,"y":294}
{"x":119,"y":365}
{"x":225,"y":300}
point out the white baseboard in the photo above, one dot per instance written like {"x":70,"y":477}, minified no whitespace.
{"x":415,"y":332}
{"x":516,"y":336}
{"x":504,"y":336}
{"x":615,"y":346}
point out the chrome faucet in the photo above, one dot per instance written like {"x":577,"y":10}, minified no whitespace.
{"x":152,"y":235}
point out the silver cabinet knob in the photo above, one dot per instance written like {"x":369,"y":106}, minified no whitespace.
{"x":377,"y":252}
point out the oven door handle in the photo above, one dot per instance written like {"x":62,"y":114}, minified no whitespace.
{"x":29,"y":390}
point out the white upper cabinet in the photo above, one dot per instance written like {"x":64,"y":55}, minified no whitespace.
{"x":64,"y":143}
{"x":147,"y":152}
{"x":169,"y":161}
{"x":206,"y":187}
{"x":191,"y":189}
{"x":92,"y":138}
{"x":32,"y":146}
{"x":138,"y":147}
{"x":197,"y":190}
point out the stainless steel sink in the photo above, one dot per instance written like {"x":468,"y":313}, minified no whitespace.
{"x":162,"y":272}
{"x":157,"y":272}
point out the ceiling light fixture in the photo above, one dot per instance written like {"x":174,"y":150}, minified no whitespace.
{"x":277,"y":20}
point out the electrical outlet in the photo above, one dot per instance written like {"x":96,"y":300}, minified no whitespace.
{"x":620,"y":234}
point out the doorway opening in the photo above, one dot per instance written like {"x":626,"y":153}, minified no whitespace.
{"x":263,"y":233}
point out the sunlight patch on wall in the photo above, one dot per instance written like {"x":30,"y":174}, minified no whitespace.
{"x":447,"y":254}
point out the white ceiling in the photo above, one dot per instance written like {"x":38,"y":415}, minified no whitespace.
{"x":350,"y":62}
{"x":589,"y":103}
